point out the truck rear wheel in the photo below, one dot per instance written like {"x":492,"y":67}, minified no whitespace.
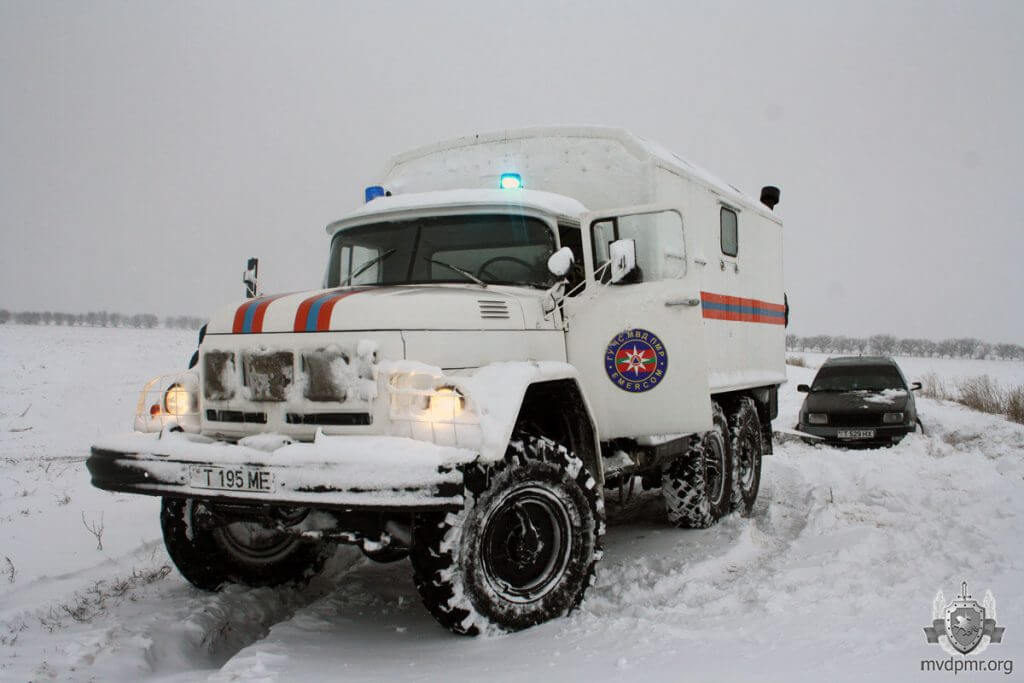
{"x":522,"y":549}
{"x":247,"y":553}
{"x":747,"y":449}
{"x":697,"y":486}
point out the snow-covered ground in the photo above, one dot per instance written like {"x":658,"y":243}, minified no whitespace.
{"x":1006,"y":372}
{"x":832,"y":579}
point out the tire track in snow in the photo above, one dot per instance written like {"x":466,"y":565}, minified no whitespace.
{"x":697,"y":571}
{"x":171,"y":628}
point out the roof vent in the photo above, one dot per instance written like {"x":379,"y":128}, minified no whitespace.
{"x":770,"y":196}
{"x":493,"y":309}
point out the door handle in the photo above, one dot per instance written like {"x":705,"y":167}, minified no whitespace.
{"x":685,"y":301}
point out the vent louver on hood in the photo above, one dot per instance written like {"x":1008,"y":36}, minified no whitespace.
{"x":491,"y":309}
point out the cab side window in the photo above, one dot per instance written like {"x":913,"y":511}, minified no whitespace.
{"x":730,"y":232}
{"x":660,"y":250}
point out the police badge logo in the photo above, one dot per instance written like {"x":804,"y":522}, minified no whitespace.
{"x":636,"y":360}
{"x":964,"y":622}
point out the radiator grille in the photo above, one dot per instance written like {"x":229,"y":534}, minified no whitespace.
{"x":268,"y":375}
{"x":328,"y":419}
{"x":855,"y":419}
{"x":219,"y":371}
{"x":236,"y":416}
{"x":321,"y":381}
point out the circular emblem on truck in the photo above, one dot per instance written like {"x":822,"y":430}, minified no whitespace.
{"x":636,"y":360}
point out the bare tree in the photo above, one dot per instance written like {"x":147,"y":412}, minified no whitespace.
{"x":95,"y":528}
{"x":883,"y":344}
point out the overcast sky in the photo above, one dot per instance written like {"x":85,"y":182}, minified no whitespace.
{"x":147,"y":149}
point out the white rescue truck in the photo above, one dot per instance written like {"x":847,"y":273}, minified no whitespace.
{"x":496,"y":342}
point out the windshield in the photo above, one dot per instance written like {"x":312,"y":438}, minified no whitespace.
{"x":854,"y":378}
{"x":493,"y":249}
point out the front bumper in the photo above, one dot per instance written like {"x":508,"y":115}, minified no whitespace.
{"x":344,"y":472}
{"x":884,"y":435}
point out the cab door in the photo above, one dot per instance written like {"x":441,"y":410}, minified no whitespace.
{"x":638,"y":344}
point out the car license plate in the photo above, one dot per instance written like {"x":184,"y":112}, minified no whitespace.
{"x":240,"y":478}
{"x":856,"y":434}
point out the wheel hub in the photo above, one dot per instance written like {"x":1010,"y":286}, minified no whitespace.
{"x":746,"y":464}
{"x":255,"y":541}
{"x":524,"y":545}
{"x":714,"y":469}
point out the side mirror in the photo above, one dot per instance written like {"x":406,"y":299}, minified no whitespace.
{"x":915,"y":386}
{"x":249,"y":277}
{"x":803,"y":388}
{"x":622,"y":254}
{"x":561,"y":262}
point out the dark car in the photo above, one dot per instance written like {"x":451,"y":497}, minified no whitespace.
{"x":859,"y":401}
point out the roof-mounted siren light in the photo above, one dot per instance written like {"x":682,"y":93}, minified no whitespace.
{"x":510,"y":181}
{"x":374,"y":191}
{"x":770,"y":196}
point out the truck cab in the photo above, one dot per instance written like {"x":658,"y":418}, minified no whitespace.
{"x":488,"y":350}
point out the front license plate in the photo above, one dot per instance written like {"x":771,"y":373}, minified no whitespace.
{"x":240,"y":478}
{"x":856,"y":434}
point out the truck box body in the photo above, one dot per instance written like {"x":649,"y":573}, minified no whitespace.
{"x":604,"y":168}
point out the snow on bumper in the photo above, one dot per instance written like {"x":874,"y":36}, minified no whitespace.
{"x":331,"y":472}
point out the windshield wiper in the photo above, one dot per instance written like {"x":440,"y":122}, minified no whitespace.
{"x":366,"y":265}
{"x":458,"y":270}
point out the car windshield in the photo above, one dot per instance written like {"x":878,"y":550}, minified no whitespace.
{"x":492,"y":249}
{"x":857,"y":378}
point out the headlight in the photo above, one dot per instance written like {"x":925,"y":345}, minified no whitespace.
{"x":892,"y":418}
{"x":177,"y":400}
{"x":817,"y":418}
{"x":445,"y":404}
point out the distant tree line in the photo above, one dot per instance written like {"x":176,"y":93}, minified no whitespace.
{"x":99,"y":319}
{"x":888,"y":345}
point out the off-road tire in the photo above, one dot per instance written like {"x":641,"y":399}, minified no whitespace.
{"x":746,"y":448}
{"x":695,"y":496}
{"x":211,"y":558}
{"x":539,"y":496}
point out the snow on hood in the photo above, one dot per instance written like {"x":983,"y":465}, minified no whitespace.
{"x":886,"y":397}
{"x":404,"y":307}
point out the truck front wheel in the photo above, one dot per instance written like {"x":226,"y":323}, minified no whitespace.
{"x":522,"y":549}
{"x":697,"y":486}
{"x":243,"y":552}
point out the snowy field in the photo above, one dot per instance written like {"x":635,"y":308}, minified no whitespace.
{"x":1006,"y":372}
{"x":832,"y":579}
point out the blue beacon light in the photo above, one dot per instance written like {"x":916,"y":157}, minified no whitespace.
{"x":372,"y":192}
{"x":510,"y":181}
